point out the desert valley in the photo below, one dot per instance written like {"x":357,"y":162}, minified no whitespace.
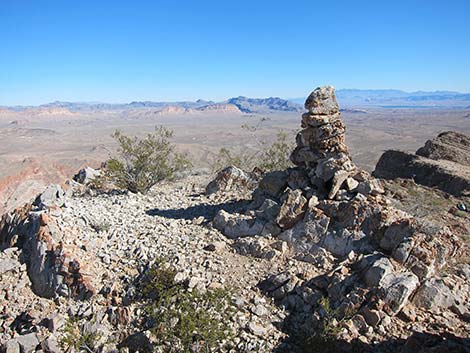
{"x":49,"y":143}
{"x":319,"y":256}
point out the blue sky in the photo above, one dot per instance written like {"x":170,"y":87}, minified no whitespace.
{"x":119,"y":51}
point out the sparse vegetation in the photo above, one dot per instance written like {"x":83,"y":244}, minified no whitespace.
{"x":142,"y":163}
{"x":101,"y":226}
{"x":185,"y":320}
{"x":78,"y":338}
{"x":325,"y":337}
{"x":267,"y":157}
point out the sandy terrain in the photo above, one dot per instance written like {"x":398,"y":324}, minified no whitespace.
{"x":42,"y":148}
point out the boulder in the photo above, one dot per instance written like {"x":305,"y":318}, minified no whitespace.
{"x":396,"y":289}
{"x":52,"y":269}
{"x":322,"y":101}
{"x":273,"y":183}
{"x":433,"y":294}
{"x":230,"y":178}
{"x":378,"y":270}
{"x":27,"y":343}
{"x":54,"y":195}
{"x":86,"y":175}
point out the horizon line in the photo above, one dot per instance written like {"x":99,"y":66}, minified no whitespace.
{"x":218,"y":101}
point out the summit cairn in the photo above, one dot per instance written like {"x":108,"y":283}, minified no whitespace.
{"x":370,"y":258}
{"x":321,"y":147}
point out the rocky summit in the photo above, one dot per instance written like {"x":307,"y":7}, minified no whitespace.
{"x":317,"y":258}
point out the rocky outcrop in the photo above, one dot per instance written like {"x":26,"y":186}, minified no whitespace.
{"x":451,"y":177}
{"x":450,"y":146}
{"x":54,"y":266}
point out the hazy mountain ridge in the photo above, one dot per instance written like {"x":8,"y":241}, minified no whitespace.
{"x":347,"y":98}
{"x":244,"y":104}
{"x":398,"y":98}
{"x":401,"y":98}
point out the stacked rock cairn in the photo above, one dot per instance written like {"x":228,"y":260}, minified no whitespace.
{"x":321,"y":147}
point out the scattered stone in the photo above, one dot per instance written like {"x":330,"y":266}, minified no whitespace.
{"x":27,"y":343}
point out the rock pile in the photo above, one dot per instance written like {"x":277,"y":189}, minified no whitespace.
{"x":371,"y":258}
{"x":321,"y":147}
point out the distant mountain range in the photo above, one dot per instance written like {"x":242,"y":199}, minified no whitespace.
{"x":232,"y":105}
{"x":397,"y":98}
{"x":347,"y":98}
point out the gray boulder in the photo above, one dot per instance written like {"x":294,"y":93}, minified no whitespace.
{"x":397,"y":289}
{"x":53,"y":195}
{"x":433,"y":294}
{"x":292,"y":209}
{"x":273,"y":183}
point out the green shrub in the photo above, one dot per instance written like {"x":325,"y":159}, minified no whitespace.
{"x":185,"y":321}
{"x":325,"y":337}
{"x":268,"y":156}
{"x":77,"y":339}
{"x":277,"y":155}
{"x":142,"y":163}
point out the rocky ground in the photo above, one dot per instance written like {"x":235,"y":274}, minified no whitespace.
{"x":317,"y":258}
{"x":115,"y":237}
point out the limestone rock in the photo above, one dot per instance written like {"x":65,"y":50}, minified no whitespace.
{"x":433,"y":294}
{"x":54,"y":195}
{"x":322,"y":101}
{"x":450,"y":145}
{"x":397,"y":289}
{"x":86,"y":175}
{"x":451,"y":177}
{"x":378,"y":270}
{"x":28,"y":343}
{"x":273,"y":183}
{"x":230,"y":178}
{"x":292,"y":209}
{"x":236,"y":226}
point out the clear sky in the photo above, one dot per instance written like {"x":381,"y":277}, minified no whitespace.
{"x":119,"y":51}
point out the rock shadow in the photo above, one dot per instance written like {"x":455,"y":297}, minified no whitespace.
{"x":208,"y":211}
{"x":417,"y":342}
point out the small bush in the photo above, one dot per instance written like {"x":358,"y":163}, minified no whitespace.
{"x":277,"y":155}
{"x":76,"y":338}
{"x":269,"y":157}
{"x":100,"y":227}
{"x":325,"y":337}
{"x":142,"y":163}
{"x":183,"y":320}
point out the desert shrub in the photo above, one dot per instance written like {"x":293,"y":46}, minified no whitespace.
{"x":142,"y":163}
{"x":277,"y":155}
{"x":266,"y":157}
{"x":225,"y":157}
{"x":77,"y":338}
{"x":324,"y":338}
{"x":184,"y":320}
{"x":100,"y":227}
